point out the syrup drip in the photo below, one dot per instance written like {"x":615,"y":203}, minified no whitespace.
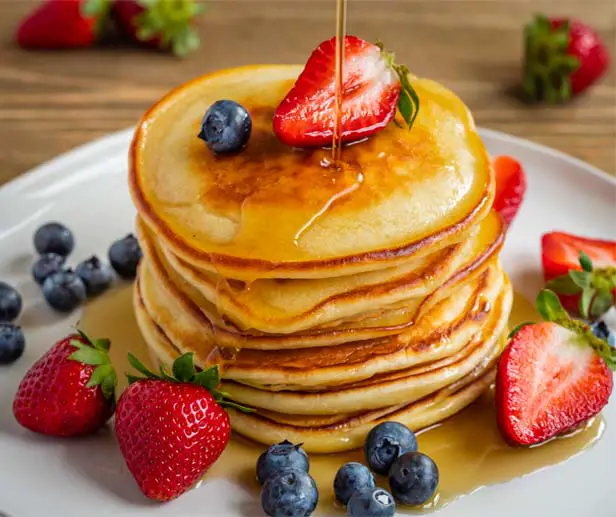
{"x":341,"y":10}
{"x":467,"y":447}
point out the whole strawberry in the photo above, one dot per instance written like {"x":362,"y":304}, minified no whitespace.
{"x":70,"y":390}
{"x":160,"y":24}
{"x":563,"y":58}
{"x":171,"y":428}
{"x":510,"y":187}
{"x":63,"y":24}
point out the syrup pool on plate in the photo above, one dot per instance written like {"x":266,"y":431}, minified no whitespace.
{"x":467,"y":448}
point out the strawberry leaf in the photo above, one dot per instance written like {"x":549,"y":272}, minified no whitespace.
{"x":165,"y":374}
{"x":209,"y":378}
{"x":585,"y":301}
{"x":138,"y":365}
{"x":563,"y":285}
{"x":548,"y":305}
{"x":585,"y":262}
{"x":89,"y":356}
{"x":601,"y":303}
{"x":183,"y":368}
{"x":582,"y":279}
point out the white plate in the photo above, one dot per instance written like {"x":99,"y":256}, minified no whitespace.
{"x":87,"y":190}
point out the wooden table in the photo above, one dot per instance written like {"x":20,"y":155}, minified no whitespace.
{"x":51,"y":102}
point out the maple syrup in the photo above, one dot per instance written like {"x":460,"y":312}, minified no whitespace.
{"x":341,"y":11}
{"x":467,"y":447}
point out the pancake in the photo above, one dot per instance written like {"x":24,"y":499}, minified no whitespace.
{"x":271,"y":211}
{"x":278,"y":306}
{"x":442,"y":331}
{"x":394,"y":387}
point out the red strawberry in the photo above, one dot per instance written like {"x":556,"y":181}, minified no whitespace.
{"x":171,"y":429}
{"x":372,"y":86}
{"x":510,"y":187}
{"x":587,"y":283}
{"x":161,"y":24}
{"x":548,"y":383}
{"x":63,"y":24}
{"x":70,"y":390}
{"x":562,"y":58}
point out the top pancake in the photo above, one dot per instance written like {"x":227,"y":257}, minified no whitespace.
{"x":271,"y":211}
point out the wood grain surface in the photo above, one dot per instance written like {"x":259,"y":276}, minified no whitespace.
{"x":51,"y":102}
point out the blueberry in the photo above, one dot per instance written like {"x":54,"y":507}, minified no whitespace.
{"x":281,"y":456}
{"x":371,"y":502}
{"x":602,"y":331}
{"x":12,"y":343}
{"x":226,"y":127}
{"x":124,"y":256}
{"x":10,"y":303}
{"x":54,"y":238}
{"x":46,"y":265}
{"x":413,"y":478}
{"x":64,"y":291}
{"x":385,"y":443}
{"x":351,"y":478}
{"x":291,"y":493}
{"x":95,"y":275}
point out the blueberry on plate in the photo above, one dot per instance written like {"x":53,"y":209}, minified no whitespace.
{"x":95,"y":275}
{"x":602,"y":331}
{"x":47,"y":264}
{"x":281,"y":456}
{"x":413,"y":478}
{"x":350,"y":478}
{"x":10,"y":302}
{"x":12,"y":343}
{"x":64,"y":291}
{"x":124,"y":256}
{"x":385,"y":443}
{"x":54,"y":238}
{"x":291,"y":493}
{"x":371,"y":502}
{"x":226,"y":127}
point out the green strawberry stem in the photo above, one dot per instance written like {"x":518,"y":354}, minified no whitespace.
{"x":171,"y":21}
{"x":183,"y":371}
{"x":95,"y":352}
{"x":596,"y":286}
{"x":408,"y":102}
{"x":548,"y":305}
{"x":547,"y":64}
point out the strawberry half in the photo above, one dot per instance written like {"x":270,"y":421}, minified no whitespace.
{"x":372,"y":87}
{"x":548,"y":383}
{"x":70,"y":390}
{"x":171,"y":427}
{"x":552,"y":376}
{"x":581,"y":271}
{"x":510,"y":187}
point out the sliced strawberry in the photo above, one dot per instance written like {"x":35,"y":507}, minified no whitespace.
{"x":560,"y":254}
{"x":510,"y":187}
{"x":548,"y":382}
{"x":371,"y":90}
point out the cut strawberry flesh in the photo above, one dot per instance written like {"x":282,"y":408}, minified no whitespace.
{"x":548,"y":382}
{"x":371,"y":89}
{"x":510,"y":187}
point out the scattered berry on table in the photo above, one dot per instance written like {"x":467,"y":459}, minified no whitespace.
{"x":46,"y":265}
{"x":96,"y":276}
{"x":371,"y":502}
{"x":124,"y":256}
{"x":602,"y":331}
{"x":413,"y":478}
{"x":12,"y":343}
{"x":64,"y":291}
{"x":290,"y":493}
{"x":350,"y":478}
{"x":10,"y":303}
{"x":54,"y":238}
{"x":385,"y":443}
{"x":281,"y":456}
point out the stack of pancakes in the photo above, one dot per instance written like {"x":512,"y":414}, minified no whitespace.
{"x":331,"y":298}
